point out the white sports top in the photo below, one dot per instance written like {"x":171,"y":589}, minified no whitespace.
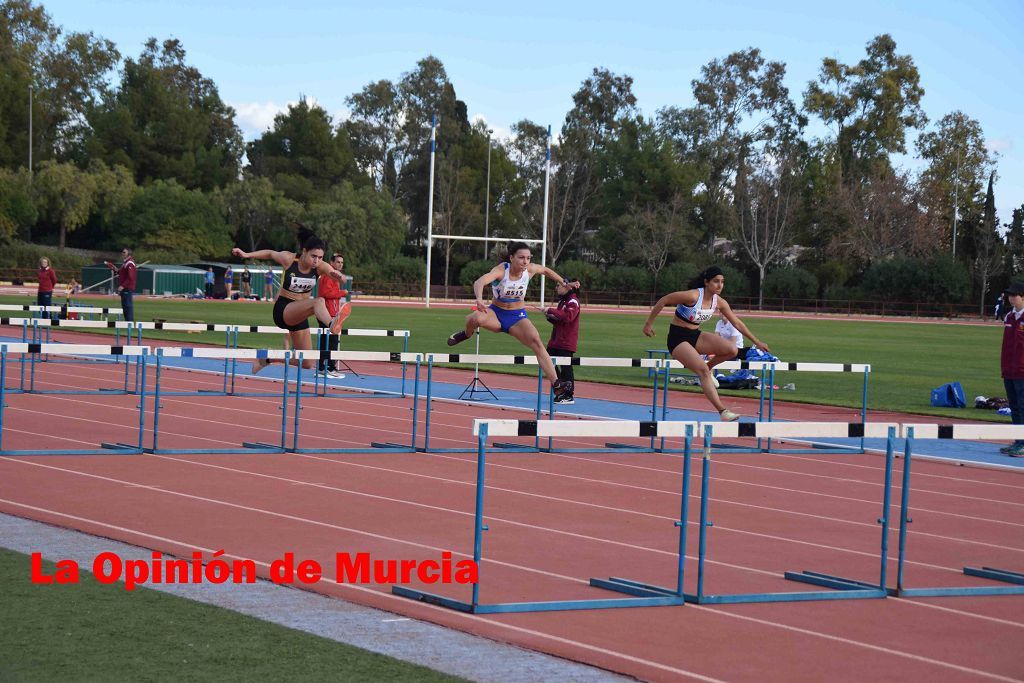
{"x":696,"y":315}
{"x":510,"y":291}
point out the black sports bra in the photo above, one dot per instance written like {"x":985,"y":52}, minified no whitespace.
{"x":297,"y":282}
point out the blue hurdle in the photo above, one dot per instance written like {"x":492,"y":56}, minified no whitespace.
{"x":641,"y":597}
{"x":140,"y":352}
{"x":1005,"y":576}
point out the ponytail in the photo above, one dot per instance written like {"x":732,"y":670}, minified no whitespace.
{"x":307,"y":239}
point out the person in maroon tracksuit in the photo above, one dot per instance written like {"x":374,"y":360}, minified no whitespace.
{"x":565,"y":334}
{"x":1012,"y":361}
{"x":125,"y":283}
{"x":47,"y":281}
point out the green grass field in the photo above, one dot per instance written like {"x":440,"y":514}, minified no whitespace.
{"x":92,"y":632}
{"x":907,"y":359}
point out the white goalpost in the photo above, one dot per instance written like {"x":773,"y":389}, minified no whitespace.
{"x":471,"y":238}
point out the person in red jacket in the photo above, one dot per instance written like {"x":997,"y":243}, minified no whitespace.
{"x":329,"y":289}
{"x":125,"y":277}
{"x":1012,"y":361}
{"x":47,"y":281}
{"x":565,"y":334}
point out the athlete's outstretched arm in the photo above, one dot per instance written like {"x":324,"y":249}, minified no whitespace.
{"x":283,"y":258}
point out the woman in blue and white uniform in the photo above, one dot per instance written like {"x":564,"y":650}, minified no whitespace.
{"x":686,"y":343}
{"x":294,"y":303}
{"x":507,"y":311}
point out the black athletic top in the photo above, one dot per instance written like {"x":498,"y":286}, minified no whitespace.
{"x":296,"y":282}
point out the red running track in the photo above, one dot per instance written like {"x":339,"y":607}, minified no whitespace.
{"x":555,"y":520}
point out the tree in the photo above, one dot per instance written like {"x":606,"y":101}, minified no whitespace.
{"x":600,"y":106}
{"x":656,"y":231}
{"x":743,"y":112}
{"x":166,"y":121}
{"x":1015,"y":242}
{"x":991,"y":252}
{"x":870,"y":105}
{"x":527,"y":151}
{"x":365,"y":225}
{"x":68,"y":74}
{"x":302,"y":154}
{"x":378,"y":139}
{"x":17,"y":206}
{"x":256,"y":212}
{"x":958,"y":162}
{"x":115,"y":188}
{"x":883,"y":219}
{"x":170,"y":217}
{"x":459,"y":201}
{"x":766,"y":202}
{"x":64,"y":196}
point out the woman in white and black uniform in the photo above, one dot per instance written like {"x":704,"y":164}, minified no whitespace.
{"x":294,"y":303}
{"x":686,"y":343}
{"x":507,"y":312}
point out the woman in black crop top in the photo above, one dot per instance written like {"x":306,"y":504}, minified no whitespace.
{"x":294,"y":303}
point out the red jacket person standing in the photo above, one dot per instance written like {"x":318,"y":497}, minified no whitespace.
{"x":125,"y":278}
{"x":1012,"y":361}
{"x":565,"y":334}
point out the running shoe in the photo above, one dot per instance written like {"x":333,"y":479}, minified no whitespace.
{"x":565,"y":400}
{"x":1016,"y":452}
{"x":458,"y":338}
{"x":728,"y":416}
{"x":335,"y":374}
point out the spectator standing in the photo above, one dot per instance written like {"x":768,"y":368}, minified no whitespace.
{"x":1012,"y":361}
{"x":125,"y":278}
{"x":565,"y":333}
{"x":329,"y":289}
{"x":246,"y":279}
{"x":209,"y":283}
{"x":268,"y":284}
{"x":47,"y":281}
{"x":1001,"y":307}
{"x":229,"y":281}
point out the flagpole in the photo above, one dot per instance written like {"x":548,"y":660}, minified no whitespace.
{"x":544,"y":230}
{"x":430,"y":203}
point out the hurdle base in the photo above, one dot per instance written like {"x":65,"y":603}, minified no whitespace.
{"x":548,"y":606}
{"x":621,"y":585}
{"x":992,"y":573}
{"x":377,"y":448}
{"x":628,"y":447}
{"x":123,"y":447}
{"x":244,"y":448}
{"x":131,"y":450}
{"x":510,"y":446}
{"x":390,"y":446}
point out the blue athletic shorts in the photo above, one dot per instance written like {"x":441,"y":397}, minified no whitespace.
{"x":508,"y":318}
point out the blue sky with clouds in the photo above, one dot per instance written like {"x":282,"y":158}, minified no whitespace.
{"x":510,"y":61}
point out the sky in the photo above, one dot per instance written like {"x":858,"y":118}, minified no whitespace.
{"x":523,"y":60}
